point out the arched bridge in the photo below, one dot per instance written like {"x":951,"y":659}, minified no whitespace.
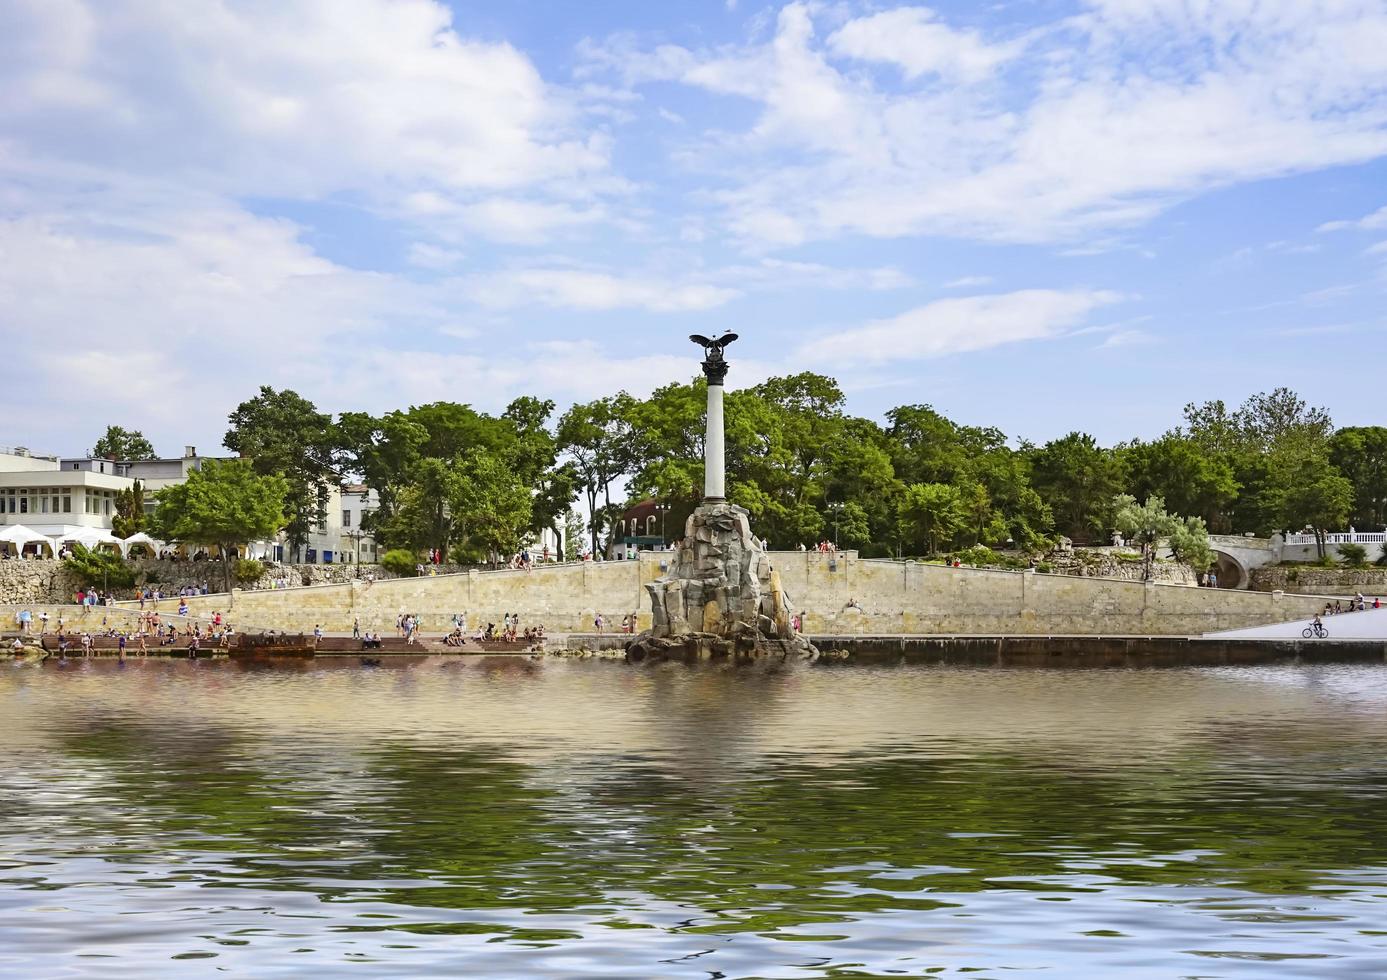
{"x":1238,"y":554}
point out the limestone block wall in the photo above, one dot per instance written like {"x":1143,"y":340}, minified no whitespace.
{"x":839,"y":596}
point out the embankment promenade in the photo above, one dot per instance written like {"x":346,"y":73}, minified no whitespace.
{"x":839,"y":596}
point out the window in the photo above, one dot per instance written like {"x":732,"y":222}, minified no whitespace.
{"x":24,"y":505}
{"x":650,"y":525}
{"x":105,"y":505}
{"x":67,"y":503}
{"x":346,"y":518}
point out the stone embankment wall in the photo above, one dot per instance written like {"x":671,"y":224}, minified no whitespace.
{"x":1325,"y":581}
{"x":841,"y":596}
{"x":46,"y":580}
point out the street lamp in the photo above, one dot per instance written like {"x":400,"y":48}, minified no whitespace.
{"x":836,"y":511}
{"x":662,"y":510}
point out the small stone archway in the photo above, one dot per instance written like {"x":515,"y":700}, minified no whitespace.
{"x":1232,"y":573}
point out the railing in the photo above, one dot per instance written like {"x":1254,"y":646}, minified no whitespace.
{"x":1341,"y":537}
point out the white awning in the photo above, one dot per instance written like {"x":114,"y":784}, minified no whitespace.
{"x":90,"y":537}
{"x":18,"y":535}
{"x":141,"y":538}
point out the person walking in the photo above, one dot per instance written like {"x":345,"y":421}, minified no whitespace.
{"x":356,"y":629}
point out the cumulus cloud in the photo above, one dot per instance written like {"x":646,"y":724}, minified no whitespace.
{"x":377,"y":99}
{"x":1113,"y":116}
{"x":916,"y":41}
{"x":952,"y":326}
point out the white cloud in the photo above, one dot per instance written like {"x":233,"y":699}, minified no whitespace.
{"x":427,"y":256}
{"x":1379,"y":249}
{"x":1372,"y":222}
{"x":378,"y":99}
{"x":967,"y":282}
{"x":952,"y":326}
{"x":587,"y":289}
{"x":914,"y":39}
{"x":1114,"y":116}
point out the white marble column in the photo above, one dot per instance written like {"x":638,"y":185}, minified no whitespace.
{"x":714,"y":487}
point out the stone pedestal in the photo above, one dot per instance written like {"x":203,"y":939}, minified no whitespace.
{"x":720,"y":597}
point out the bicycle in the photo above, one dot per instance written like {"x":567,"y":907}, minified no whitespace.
{"x":1315,"y":631}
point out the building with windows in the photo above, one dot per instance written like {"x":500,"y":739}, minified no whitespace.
{"x":61,"y":499}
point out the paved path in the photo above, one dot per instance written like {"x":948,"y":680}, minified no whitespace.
{"x":1371,"y":624}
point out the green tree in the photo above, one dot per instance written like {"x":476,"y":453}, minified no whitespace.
{"x":130,"y":517}
{"x":284,"y":434}
{"x":224,"y":503}
{"x":1189,"y":478}
{"x":491,"y":505}
{"x":597,"y":437}
{"x":1360,"y":454}
{"x":1315,"y":495}
{"x":119,"y":443}
{"x":931,"y":514}
{"x":1150,"y":524}
{"x":1078,"y":479}
{"x":1189,"y":543}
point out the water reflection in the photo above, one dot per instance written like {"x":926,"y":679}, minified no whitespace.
{"x":509,"y":818}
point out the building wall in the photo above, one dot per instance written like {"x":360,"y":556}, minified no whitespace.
{"x":893,"y":597}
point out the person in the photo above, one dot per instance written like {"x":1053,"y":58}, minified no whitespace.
{"x":1377,"y":602}
{"x":18,"y":645}
{"x":597,"y":623}
{"x":1358,"y":601}
{"x":62,"y":646}
{"x":625,"y":624}
{"x":87,"y":644}
{"x":1316,"y":624}
{"x":43,"y":623}
{"x":182,"y":607}
{"x":120,"y":649}
{"x":356,"y":629}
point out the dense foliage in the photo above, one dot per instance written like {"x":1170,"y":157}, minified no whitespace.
{"x":224,"y":503}
{"x":476,"y":486}
{"x":120,"y":443}
{"x":94,"y":567}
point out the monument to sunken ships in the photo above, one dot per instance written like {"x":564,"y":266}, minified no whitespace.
{"x":719,"y":597}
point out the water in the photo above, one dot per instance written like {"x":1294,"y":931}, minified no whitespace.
{"x":518,"y":819}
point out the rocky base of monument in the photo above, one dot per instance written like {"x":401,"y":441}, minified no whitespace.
{"x":720,"y":597}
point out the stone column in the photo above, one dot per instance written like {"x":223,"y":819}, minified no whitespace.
{"x":714,"y":455}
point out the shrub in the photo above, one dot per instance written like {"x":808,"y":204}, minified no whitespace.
{"x":984,"y":556}
{"x":248,"y":570}
{"x":1044,"y":566}
{"x":876,"y":549}
{"x":400,"y":562}
{"x":1382,"y":556}
{"x":96,"y":567}
{"x":1353,"y":555}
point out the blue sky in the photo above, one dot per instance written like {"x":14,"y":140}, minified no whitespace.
{"x":1044,"y":216}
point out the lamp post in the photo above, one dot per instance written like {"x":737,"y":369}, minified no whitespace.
{"x":662,"y":510}
{"x":836,"y":511}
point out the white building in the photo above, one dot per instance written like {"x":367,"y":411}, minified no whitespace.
{"x":61,"y":499}
{"x":338,"y":539}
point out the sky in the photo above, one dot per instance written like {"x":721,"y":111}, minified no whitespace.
{"x":1045,"y":215}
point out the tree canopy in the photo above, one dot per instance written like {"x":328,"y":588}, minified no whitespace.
{"x":224,"y":503}
{"x":120,"y":443}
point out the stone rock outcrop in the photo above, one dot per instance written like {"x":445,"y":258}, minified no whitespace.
{"x":720,"y":597}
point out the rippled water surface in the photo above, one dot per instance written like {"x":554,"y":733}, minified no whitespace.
{"x":509,"y":818}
